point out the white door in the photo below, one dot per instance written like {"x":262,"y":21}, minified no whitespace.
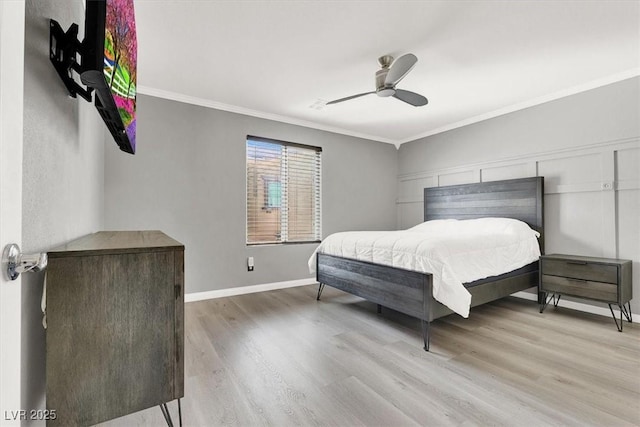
{"x":11,"y":111}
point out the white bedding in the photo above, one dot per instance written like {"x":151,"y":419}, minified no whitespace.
{"x":453,"y":251}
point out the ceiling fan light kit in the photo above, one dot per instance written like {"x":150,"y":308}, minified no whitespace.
{"x":388,"y":77}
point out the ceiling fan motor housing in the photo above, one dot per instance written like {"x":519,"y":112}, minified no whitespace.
{"x":382,"y":89}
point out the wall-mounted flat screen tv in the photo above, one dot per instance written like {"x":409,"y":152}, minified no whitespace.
{"x":108,"y":64}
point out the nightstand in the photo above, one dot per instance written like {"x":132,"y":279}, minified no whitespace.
{"x":599,"y":279}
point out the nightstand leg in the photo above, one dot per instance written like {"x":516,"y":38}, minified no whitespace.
{"x":548,"y":299}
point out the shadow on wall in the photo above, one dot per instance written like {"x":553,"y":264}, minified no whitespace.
{"x":33,"y":344}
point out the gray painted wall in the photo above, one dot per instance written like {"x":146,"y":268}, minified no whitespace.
{"x":577,"y":143}
{"x":605,"y":114}
{"x":63,"y":174}
{"x":188,"y":179}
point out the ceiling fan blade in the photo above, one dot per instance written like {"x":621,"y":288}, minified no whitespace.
{"x":400,"y":68}
{"x":410,"y":98}
{"x":349,"y":97}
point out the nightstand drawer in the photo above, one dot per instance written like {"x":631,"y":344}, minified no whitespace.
{"x":580,"y":288}
{"x":581,"y":270}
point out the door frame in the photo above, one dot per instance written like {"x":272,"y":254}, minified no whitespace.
{"x":12,"y":26}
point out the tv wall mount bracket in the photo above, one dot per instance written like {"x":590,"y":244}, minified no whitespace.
{"x":64,"y":49}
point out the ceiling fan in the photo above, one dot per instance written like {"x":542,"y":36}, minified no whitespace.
{"x":388,"y":77}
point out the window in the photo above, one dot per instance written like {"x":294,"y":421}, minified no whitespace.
{"x":283,"y":192}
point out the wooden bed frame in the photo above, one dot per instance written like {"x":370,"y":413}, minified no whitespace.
{"x":410,"y":292}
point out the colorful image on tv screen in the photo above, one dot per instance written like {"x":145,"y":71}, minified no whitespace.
{"x":120,"y":57}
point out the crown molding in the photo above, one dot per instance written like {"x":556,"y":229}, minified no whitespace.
{"x":594,"y":84}
{"x":174,"y":96}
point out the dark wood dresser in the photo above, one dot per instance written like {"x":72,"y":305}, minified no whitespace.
{"x":600,"y":279}
{"x":115,"y":325}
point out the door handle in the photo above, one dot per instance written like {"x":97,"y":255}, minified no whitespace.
{"x":15,"y":262}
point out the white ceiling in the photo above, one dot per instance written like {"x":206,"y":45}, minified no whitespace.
{"x":476,"y":59}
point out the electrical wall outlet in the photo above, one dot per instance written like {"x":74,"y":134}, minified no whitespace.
{"x":250,"y":263}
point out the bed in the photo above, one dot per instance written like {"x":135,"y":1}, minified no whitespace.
{"x":411,"y":292}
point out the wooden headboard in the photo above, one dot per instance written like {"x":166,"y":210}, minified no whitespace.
{"x":521,"y":199}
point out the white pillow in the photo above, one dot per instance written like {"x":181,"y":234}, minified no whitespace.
{"x":476,"y":225}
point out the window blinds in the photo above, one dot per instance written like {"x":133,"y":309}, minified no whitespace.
{"x":283,"y":192}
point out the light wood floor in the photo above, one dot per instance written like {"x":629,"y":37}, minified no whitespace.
{"x":281,"y":358}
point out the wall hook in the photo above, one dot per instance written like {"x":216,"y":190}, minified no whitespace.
{"x":14,"y":262}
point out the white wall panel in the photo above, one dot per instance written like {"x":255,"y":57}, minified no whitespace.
{"x":518,"y":170}
{"x":628,"y":168}
{"x":628,"y":218}
{"x":567,"y":229}
{"x":412,"y":189}
{"x":571,"y":173}
{"x":454,"y":178}
{"x":425,"y":182}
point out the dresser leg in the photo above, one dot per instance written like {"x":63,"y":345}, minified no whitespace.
{"x":619,"y":326}
{"x":167,"y":414}
{"x":627,"y":312}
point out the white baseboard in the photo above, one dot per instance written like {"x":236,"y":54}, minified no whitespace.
{"x":241,"y":290}
{"x":588,"y":308}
